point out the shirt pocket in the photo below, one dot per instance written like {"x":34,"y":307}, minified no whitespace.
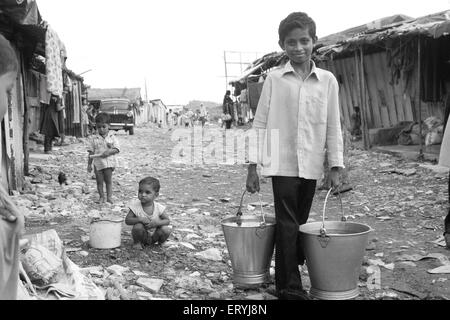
{"x":316,"y":108}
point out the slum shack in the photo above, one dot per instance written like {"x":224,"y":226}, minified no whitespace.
{"x":35,"y":43}
{"x":395,"y":70}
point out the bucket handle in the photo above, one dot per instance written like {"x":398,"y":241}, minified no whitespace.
{"x":323,"y":231}
{"x":239,"y":213}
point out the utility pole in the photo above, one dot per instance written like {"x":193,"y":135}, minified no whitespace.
{"x":226,"y":69}
{"x":146,"y":97}
{"x":243,"y":63}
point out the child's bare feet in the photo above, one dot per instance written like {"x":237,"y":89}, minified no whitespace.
{"x":109,"y":200}
{"x":101,"y":200}
{"x":138,"y":246}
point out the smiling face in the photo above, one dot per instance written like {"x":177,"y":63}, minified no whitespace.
{"x":147,"y":194}
{"x":298,"y":45}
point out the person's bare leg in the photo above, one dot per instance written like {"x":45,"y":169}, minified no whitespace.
{"x":99,"y":177}
{"x":107,"y":173}
{"x":161,"y":234}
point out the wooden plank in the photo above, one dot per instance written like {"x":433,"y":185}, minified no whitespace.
{"x":352,"y":80}
{"x":371,"y":84}
{"x":351,"y":76}
{"x":358,"y":79}
{"x":389,"y":94}
{"x":397,"y":86}
{"x":356,"y":90}
{"x":364,"y":106}
{"x":408,"y":107}
{"x":347,"y":98}
{"x":380,"y":90}
{"x":342,"y":102}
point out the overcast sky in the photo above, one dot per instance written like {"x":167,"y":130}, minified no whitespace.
{"x":177,"y":46}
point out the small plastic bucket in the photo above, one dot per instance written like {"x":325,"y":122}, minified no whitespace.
{"x":105,"y":233}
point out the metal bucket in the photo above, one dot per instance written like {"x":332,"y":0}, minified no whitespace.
{"x":105,"y":233}
{"x":334,"y":251}
{"x":250,"y":242}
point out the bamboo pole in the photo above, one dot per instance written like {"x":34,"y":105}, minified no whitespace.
{"x":419,"y":105}
{"x":25,"y":138}
{"x":366,"y":139}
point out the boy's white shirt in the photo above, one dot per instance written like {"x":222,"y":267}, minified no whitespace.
{"x":312,"y":107}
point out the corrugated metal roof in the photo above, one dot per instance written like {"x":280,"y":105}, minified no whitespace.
{"x":434,"y":25}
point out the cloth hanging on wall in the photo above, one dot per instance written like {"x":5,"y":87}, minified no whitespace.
{"x":76,"y":102}
{"x":53,"y":63}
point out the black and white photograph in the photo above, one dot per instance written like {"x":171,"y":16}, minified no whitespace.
{"x":211,"y":159}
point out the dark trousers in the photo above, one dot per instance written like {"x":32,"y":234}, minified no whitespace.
{"x":293,"y":198}
{"x":48,"y":141}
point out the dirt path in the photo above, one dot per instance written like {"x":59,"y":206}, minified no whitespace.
{"x":403,"y":201}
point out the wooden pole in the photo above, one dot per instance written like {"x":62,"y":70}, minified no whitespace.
{"x":25,"y":138}
{"x":419,"y":104}
{"x":363,"y":102}
{"x":226,"y":70}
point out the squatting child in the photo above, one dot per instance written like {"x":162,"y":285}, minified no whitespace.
{"x":102,"y":149}
{"x":149,"y":219}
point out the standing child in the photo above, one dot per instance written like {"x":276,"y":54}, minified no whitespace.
{"x":299,"y":112}
{"x":149,"y":220}
{"x":102,"y":150}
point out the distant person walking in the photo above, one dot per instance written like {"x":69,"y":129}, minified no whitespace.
{"x":227,"y":109}
{"x":50,"y":125}
{"x":203,"y":114}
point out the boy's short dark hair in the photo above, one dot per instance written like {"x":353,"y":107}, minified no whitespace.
{"x":151,"y":181}
{"x":8,"y":58}
{"x":102,"y":118}
{"x":297,"y":20}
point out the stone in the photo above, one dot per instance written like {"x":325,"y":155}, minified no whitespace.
{"x":117,"y":269}
{"x":192,"y":236}
{"x":406,"y":264}
{"x":151,"y":284}
{"x":187,"y":245}
{"x":258,"y":296}
{"x":215,"y":295}
{"x":144,"y":295}
{"x":139,"y":273}
{"x":210,"y":254}
{"x":83,"y":253}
